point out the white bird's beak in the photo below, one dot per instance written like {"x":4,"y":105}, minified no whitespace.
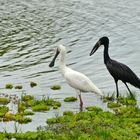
{"x":53,"y":60}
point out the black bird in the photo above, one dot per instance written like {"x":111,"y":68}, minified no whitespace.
{"x":118,"y":70}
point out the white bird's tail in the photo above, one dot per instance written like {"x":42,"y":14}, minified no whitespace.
{"x":97,"y":90}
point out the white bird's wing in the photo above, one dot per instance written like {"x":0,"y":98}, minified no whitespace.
{"x":80,"y":81}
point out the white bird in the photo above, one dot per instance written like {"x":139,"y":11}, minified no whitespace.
{"x":77,"y":80}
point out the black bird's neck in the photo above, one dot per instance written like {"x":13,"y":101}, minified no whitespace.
{"x":106,"y":55}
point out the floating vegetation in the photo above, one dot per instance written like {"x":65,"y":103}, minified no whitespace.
{"x":33,"y":84}
{"x":40,"y":107}
{"x":55,"y":107}
{"x":122,"y":124}
{"x":70,"y":99}
{"x":21,"y":107}
{"x":113,"y":105}
{"x":69,"y":113}
{"x":55,"y":87}
{"x":21,"y":119}
{"x":109,"y":98}
{"x":93,"y":108}
{"x":26,"y":98}
{"x":127,"y":100}
{"x":8,"y":116}
{"x":18,"y":87}
{"x":4,"y":100}
{"x":26,"y":113}
{"x":3,"y":110}
{"x":9,"y":86}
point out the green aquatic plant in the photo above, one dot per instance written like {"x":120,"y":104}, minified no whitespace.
{"x":3,"y":110}
{"x":26,"y":113}
{"x":21,"y":119}
{"x":40,"y":107}
{"x":129,"y":100}
{"x":9,"y":86}
{"x":113,"y":105}
{"x":69,"y":113}
{"x":18,"y":87}
{"x":26,"y":97}
{"x":55,"y":87}
{"x":70,"y":99}
{"x":21,"y":107}
{"x":8,"y":116}
{"x":4,"y":100}
{"x":109,"y":98}
{"x":93,"y":108}
{"x":55,"y":107}
{"x":33,"y":84}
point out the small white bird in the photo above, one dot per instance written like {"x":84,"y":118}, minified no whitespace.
{"x":77,"y":80}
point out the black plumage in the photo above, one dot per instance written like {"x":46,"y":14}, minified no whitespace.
{"x":118,"y":70}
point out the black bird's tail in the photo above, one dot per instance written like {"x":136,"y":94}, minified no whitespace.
{"x":135,"y":82}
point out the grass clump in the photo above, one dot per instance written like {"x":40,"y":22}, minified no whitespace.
{"x":40,"y":107}
{"x":26,"y":113}
{"x":21,"y":119}
{"x":8,"y":116}
{"x":3,"y":110}
{"x":21,"y":107}
{"x":70,"y":99}
{"x":93,"y":108}
{"x":95,"y":124}
{"x":4,"y":100}
{"x":18,"y":87}
{"x":33,"y":84}
{"x":109,"y":98}
{"x":127,"y":100}
{"x":26,"y":98}
{"x":55,"y":87}
{"x":55,"y":107}
{"x":113,"y":105}
{"x":9,"y":86}
{"x":69,"y":113}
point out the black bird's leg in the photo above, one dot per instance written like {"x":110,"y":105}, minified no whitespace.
{"x":116,"y":82}
{"x":129,"y":90}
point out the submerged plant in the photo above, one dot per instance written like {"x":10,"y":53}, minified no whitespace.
{"x":26,"y":97}
{"x":28,"y":113}
{"x":4,"y":100}
{"x":108,"y":98}
{"x":21,"y":119}
{"x":113,"y":105}
{"x":129,"y":100}
{"x":21,"y":107}
{"x":33,"y":84}
{"x":9,"y":86}
{"x":40,"y":107}
{"x":3,"y":110}
{"x":93,"y":108}
{"x":70,"y":99}
{"x":55,"y":87}
{"x":18,"y":87}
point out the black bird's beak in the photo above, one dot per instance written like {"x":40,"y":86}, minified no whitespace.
{"x":53,"y":61}
{"x":95,"y":48}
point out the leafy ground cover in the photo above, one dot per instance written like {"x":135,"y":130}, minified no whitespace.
{"x":94,"y":124}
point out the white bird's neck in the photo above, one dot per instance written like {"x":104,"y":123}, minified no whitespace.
{"x":62,"y":64}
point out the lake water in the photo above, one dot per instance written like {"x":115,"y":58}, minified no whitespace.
{"x":30,"y":30}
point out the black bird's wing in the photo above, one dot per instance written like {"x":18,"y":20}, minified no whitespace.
{"x":122,"y":72}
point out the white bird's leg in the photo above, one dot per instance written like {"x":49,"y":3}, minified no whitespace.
{"x":80,"y":98}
